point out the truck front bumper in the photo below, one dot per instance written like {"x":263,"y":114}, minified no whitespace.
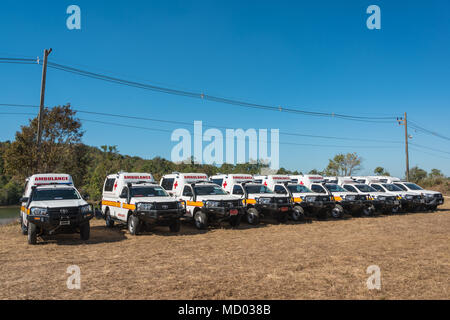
{"x":160,"y":217}
{"x":221,"y":213}
{"x":57,"y":221}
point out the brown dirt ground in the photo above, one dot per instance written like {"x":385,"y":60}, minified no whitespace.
{"x":318,"y":260}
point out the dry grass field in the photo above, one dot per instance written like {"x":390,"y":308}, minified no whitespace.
{"x":319,"y":260}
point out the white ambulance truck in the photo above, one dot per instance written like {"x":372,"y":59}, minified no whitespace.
{"x":137,"y":200}
{"x":346,"y":202}
{"x":258,"y":199}
{"x":432,"y":198}
{"x":205,"y":202}
{"x":380,"y":201}
{"x":305,"y":201}
{"x":409,"y":202}
{"x":52,"y":205}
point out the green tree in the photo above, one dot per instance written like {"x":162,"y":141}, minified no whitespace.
{"x":380,"y":171}
{"x":60,"y":144}
{"x":343,"y":165}
{"x":416,"y":174}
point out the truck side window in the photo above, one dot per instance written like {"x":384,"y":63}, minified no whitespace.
{"x":187,"y":191}
{"x":238,"y":190}
{"x":377,"y":187}
{"x":124,"y":193}
{"x":167,"y":183}
{"x":401,"y":186}
{"x":349,"y":188}
{"x":280,"y":190}
{"x":217,"y":181}
{"x":109,"y":184}
{"x":317,"y":188}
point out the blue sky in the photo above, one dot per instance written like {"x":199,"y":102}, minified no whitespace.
{"x":316,"y":56}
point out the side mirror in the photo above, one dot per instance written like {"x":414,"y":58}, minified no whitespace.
{"x":24,"y":199}
{"x":86,"y":196}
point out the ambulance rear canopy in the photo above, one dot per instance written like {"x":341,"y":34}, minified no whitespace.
{"x":47,"y":179}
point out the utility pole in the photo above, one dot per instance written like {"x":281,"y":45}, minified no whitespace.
{"x":404,"y":122}
{"x":41,"y":105}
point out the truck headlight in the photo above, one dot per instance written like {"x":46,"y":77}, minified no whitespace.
{"x":409,"y":197}
{"x":381,"y":198}
{"x":142,"y":206}
{"x":85,"y":209}
{"x":264,"y":200}
{"x":310,"y":199}
{"x":350,"y":197}
{"x":38,"y":211}
{"x":429,"y":195}
{"x":211,"y":203}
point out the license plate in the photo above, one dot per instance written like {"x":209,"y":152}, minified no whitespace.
{"x":284,"y":209}
{"x":64,"y":222}
{"x":233,"y":212}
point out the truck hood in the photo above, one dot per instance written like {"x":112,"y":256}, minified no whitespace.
{"x":152,"y":199}
{"x":217,"y":197}
{"x":58,"y":203}
{"x":303,"y":194}
{"x":266,"y":195}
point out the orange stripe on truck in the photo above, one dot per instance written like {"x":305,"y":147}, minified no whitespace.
{"x":194,"y":203}
{"x":337,"y":198}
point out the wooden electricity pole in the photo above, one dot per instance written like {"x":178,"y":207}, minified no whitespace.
{"x":41,"y":106}
{"x":404,"y":122}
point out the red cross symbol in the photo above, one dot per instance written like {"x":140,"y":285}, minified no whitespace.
{"x":301,"y":182}
{"x":225,"y":184}
{"x":175,"y":185}
{"x":115,"y":186}
{"x":265,"y":183}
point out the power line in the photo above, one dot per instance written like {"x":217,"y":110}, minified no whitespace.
{"x":212,"y":126}
{"x":203,"y":96}
{"x":426,"y":131}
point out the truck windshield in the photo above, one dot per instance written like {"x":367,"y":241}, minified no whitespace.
{"x":332,"y":187}
{"x":413,"y":186}
{"x":391,"y":187}
{"x":297,"y":188}
{"x":139,"y":192}
{"x":257,"y":189}
{"x":209,"y":190}
{"x":55,"y":194}
{"x":365,"y":188}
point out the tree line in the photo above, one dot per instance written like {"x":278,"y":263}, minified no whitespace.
{"x":62,"y":150}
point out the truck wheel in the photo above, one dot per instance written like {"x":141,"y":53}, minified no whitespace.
{"x":282,"y":217}
{"x":322,"y":214}
{"x":109,"y":221}
{"x":32,"y":233}
{"x":368,"y":211}
{"x":175,"y":226}
{"x":23,"y":227}
{"x":85,"y":231}
{"x":235,"y":221}
{"x":133,"y":224}
{"x":252,"y":216}
{"x":298,"y":213}
{"x":200,"y":220}
{"x":396,"y":209}
{"x":337,"y":212}
{"x":433,"y":208}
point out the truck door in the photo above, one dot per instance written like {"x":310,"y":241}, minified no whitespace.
{"x":188,"y":197}
{"x":120,"y":211}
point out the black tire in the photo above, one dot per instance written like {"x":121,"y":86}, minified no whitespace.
{"x":133,"y":224}
{"x":282,"y":217}
{"x":200,"y":220}
{"x":23,"y":227}
{"x":235,"y":221}
{"x":85,"y":231}
{"x":337,"y":212}
{"x":109,"y":221}
{"x":433,"y":208}
{"x":298,"y":213}
{"x":368,"y":211}
{"x":252,"y":216}
{"x":175,"y":226}
{"x":32,"y":233}
{"x":322,"y":214}
{"x":396,"y":209}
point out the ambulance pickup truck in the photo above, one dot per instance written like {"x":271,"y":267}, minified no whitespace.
{"x":432,"y":198}
{"x":346,"y":202}
{"x":135,"y":199}
{"x":409,"y":202}
{"x":52,"y":205}
{"x":205,"y":202}
{"x":305,"y":201}
{"x":380,"y":201}
{"x":258,"y":199}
